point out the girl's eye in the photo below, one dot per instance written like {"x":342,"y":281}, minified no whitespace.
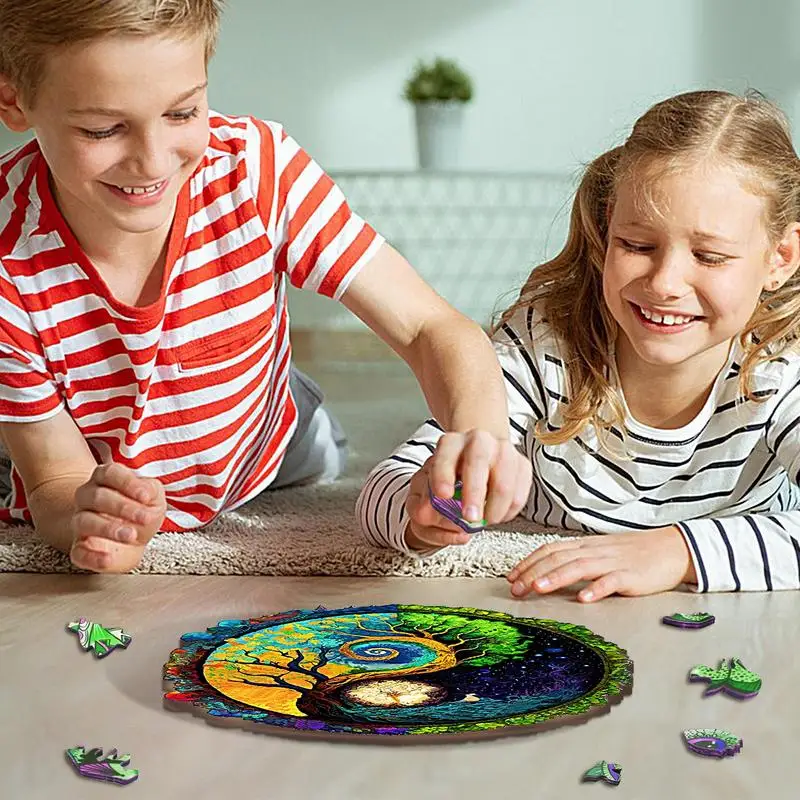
{"x":711,"y":259}
{"x":633,"y":247}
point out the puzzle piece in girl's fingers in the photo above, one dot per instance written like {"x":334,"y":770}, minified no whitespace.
{"x":452,"y":509}
{"x":690,"y":621}
{"x":712,"y":742}
{"x":607,"y":771}
{"x":101,"y":640}
{"x":93,"y":764}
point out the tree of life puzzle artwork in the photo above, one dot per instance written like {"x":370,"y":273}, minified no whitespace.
{"x":396,"y":669}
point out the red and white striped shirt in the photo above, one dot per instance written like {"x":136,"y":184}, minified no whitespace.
{"x":193,"y":389}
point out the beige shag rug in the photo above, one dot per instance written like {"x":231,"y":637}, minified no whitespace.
{"x":300,"y":531}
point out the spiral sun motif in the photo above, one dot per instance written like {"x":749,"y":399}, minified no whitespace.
{"x":396,"y":670}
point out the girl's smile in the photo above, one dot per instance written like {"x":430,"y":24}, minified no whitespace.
{"x":683,"y":277}
{"x":664,"y":322}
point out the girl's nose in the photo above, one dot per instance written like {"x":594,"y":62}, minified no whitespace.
{"x":667,"y":277}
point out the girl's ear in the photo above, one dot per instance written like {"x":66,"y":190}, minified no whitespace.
{"x":785,"y":258}
{"x":11,"y":113}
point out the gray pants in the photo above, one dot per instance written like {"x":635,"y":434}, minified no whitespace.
{"x":317,"y":451}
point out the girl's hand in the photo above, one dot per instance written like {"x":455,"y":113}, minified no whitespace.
{"x":496,"y":482}
{"x":117,"y":514}
{"x":629,"y":564}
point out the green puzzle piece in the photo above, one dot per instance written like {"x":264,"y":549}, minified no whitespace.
{"x":97,"y":638}
{"x":111,"y":768}
{"x":730,"y":676}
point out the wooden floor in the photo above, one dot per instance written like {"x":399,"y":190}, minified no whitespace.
{"x":54,"y":696}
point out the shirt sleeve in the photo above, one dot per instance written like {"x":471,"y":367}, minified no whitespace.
{"x":28,"y":389}
{"x":754,"y":552}
{"x":381,"y":506}
{"x":320,"y":242}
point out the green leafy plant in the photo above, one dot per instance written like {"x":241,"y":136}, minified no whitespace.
{"x":439,"y":81}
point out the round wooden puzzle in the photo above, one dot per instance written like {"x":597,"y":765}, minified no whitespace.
{"x":394,"y":670}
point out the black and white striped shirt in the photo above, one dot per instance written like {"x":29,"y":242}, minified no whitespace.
{"x":728,"y":479}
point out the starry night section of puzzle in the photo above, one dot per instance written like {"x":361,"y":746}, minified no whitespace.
{"x":396,"y":669}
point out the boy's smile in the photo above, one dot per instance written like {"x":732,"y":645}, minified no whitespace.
{"x":123,"y":124}
{"x":141,"y":195}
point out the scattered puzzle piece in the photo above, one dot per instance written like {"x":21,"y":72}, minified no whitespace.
{"x":93,"y":764}
{"x":101,"y":640}
{"x":607,"y":771}
{"x":695,"y":620}
{"x":742,"y":681}
{"x":712,"y":742}
{"x":731,"y":677}
{"x":452,"y":509}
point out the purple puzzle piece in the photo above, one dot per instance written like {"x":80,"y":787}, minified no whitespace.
{"x":713,"y":742}
{"x":452,"y":509}
{"x":695,"y":620}
{"x":94,"y":765}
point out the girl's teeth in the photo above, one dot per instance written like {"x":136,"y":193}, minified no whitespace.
{"x":666,"y":319}
{"x":140,"y":189}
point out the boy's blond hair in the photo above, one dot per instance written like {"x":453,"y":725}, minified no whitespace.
{"x":751,"y":136}
{"x":32,"y":29}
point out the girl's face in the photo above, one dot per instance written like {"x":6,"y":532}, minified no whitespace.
{"x":682,"y":282}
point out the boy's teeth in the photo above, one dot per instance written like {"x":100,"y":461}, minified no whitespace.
{"x":665,"y":319}
{"x":140,"y":189}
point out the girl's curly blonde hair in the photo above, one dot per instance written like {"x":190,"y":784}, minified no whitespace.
{"x":750,"y":134}
{"x":32,"y":29}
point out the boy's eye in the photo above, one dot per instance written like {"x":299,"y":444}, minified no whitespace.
{"x":99,"y":134}
{"x":105,"y":133}
{"x":184,"y":115}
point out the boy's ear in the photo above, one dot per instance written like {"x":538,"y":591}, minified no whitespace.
{"x":785,"y":258}
{"x":11,"y":113}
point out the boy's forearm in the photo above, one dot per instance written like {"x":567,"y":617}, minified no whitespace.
{"x":460,"y":375}
{"x":52,"y":505}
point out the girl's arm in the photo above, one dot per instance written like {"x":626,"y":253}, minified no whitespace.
{"x":754,"y":552}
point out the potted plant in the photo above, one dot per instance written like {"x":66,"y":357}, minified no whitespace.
{"x":438,"y":91}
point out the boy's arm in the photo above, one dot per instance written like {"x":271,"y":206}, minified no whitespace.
{"x":382,"y":506}
{"x":77,"y":506}
{"x":53,"y":460}
{"x":450,"y":355}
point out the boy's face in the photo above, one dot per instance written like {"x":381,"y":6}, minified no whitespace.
{"x":122,"y":123}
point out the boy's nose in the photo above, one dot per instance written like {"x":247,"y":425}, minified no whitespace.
{"x":152,"y":158}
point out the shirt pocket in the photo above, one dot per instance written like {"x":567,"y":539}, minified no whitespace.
{"x":217,"y":349}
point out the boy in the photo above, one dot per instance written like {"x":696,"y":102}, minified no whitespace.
{"x":145,"y":377}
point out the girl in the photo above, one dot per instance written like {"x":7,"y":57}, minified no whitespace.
{"x":652,"y":371}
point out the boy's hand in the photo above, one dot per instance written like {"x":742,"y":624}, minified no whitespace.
{"x":496,"y":482}
{"x":629,"y":564}
{"x":427,"y":529}
{"x":117,"y":514}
